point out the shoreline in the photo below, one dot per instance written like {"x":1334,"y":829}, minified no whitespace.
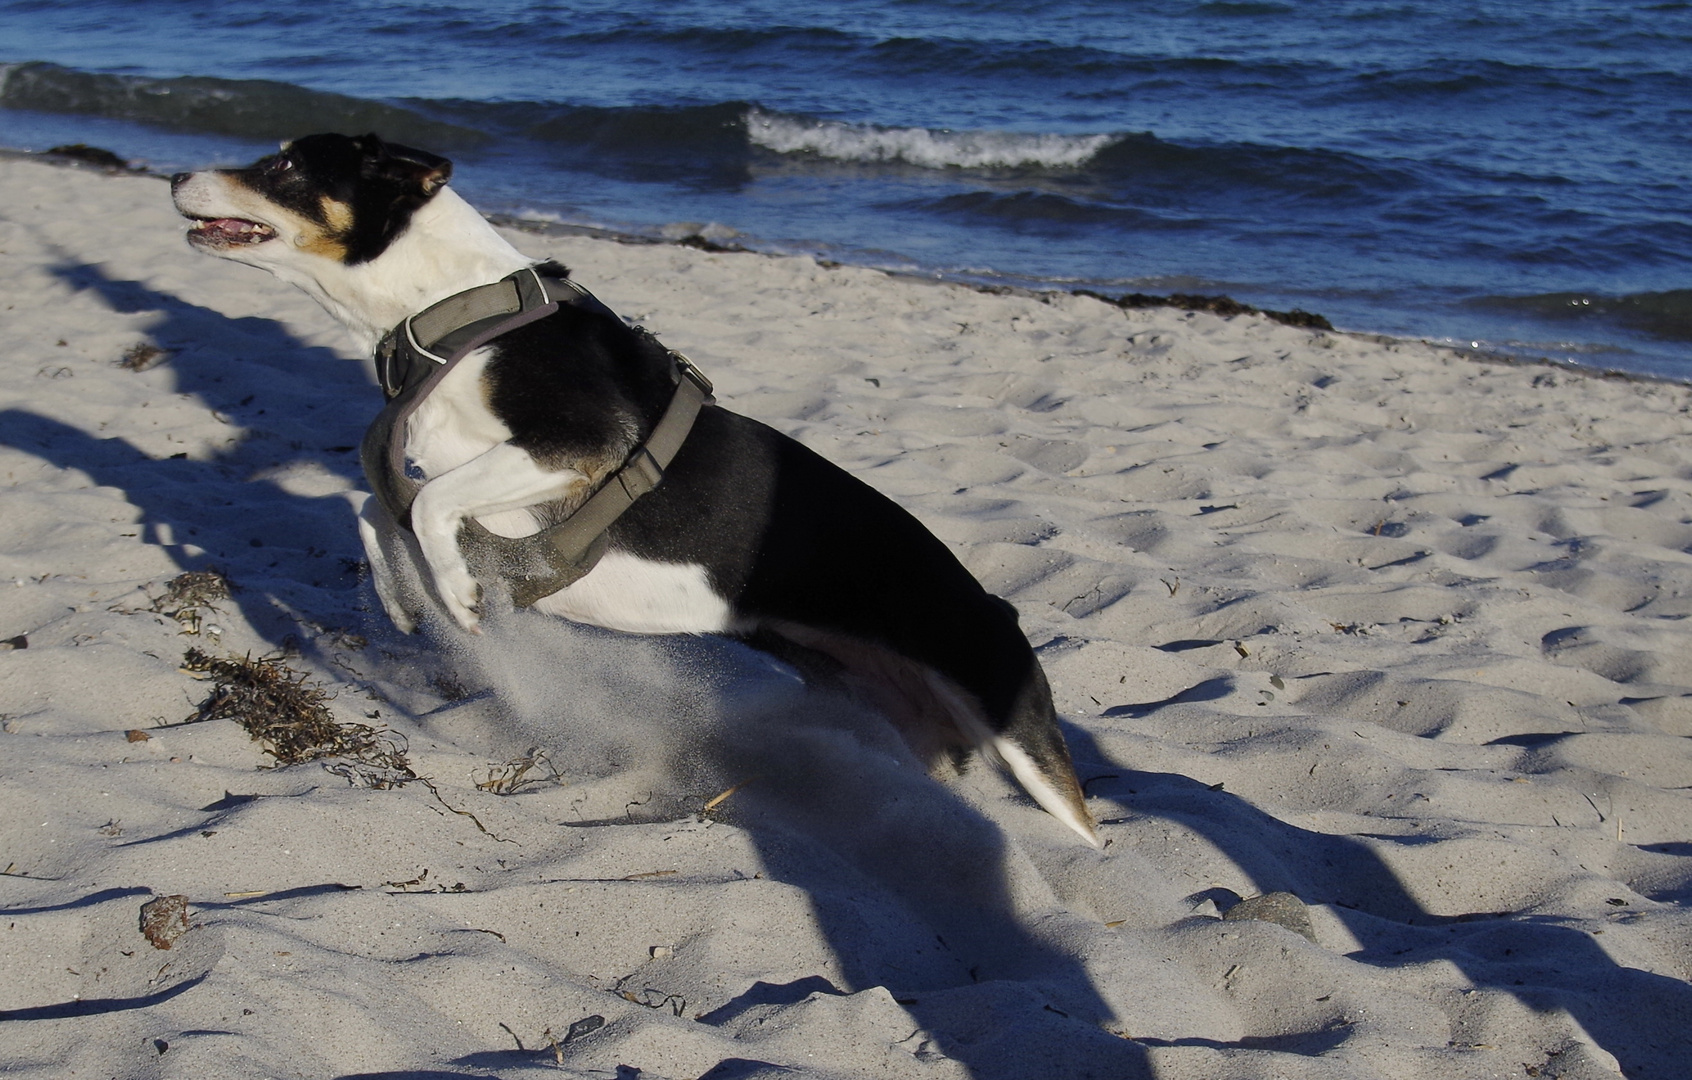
{"x":99,"y":159}
{"x":1400,"y":636}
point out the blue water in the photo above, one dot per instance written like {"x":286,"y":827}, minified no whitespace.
{"x":1514,"y":175}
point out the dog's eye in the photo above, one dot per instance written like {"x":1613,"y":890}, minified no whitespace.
{"x":280,"y":165}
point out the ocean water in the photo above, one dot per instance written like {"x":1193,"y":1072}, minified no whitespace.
{"x":1507,"y":175}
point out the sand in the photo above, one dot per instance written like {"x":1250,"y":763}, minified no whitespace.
{"x":1398,"y":631}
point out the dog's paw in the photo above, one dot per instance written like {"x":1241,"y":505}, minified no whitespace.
{"x":382,"y":547}
{"x":461,"y":595}
{"x":404,"y":619}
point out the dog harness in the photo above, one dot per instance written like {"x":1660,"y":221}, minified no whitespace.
{"x":413,"y":358}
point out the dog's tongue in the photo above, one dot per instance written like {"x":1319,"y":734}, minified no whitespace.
{"x":234,"y":230}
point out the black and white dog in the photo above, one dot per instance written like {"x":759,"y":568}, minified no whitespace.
{"x":748,"y":533}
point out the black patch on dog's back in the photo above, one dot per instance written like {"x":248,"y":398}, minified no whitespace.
{"x":576,"y":384}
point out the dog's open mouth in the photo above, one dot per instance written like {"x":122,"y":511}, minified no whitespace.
{"x":229,"y":232}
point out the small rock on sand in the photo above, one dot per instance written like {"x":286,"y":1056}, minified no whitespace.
{"x":1280,"y":908}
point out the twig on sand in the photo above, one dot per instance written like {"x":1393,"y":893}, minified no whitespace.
{"x":720,"y":799}
{"x":426,"y":782}
{"x":514,"y":775}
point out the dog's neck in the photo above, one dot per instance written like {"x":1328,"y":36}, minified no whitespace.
{"x":446,"y":248}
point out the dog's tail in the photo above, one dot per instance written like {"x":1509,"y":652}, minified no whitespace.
{"x":1031,"y":749}
{"x":937,"y":714}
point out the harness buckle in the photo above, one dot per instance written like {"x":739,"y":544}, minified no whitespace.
{"x":416,"y":346}
{"x":531,"y":289}
{"x":641,"y":474}
{"x":692,"y":373}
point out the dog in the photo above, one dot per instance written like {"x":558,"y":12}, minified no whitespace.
{"x":746,"y":533}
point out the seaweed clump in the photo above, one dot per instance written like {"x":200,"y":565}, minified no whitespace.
{"x":141,"y":356}
{"x":1225,"y":306}
{"x":97,"y":156}
{"x":291,"y":718}
{"x":188,"y":596}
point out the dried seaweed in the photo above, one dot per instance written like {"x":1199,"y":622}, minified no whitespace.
{"x":291,"y":718}
{"x":520,"y":772}
{"x":474,"y":820}
{"x":141,"y":356}
{"x":1225,"y":306}
{"x":188,"y":596}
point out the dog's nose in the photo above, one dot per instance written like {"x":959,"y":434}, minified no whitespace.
{"x":179,"y":179}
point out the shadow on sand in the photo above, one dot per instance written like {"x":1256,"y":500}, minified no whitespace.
{"x":838,"y":814}
{"x":1640,"y":1018}
{"x":290,"y":407}
{"x":294,"y":560}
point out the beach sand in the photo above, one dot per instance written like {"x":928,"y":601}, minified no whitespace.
{"x":1396,"y":630}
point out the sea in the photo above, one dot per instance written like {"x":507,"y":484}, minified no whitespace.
{"x":1511,"y":177}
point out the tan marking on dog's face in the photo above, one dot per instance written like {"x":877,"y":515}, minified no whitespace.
{"x":315,"y":240}
{"x":337,"y":214}
{"x":326,"y":238}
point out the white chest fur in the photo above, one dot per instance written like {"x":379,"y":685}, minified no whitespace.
{"x":453,"y":423}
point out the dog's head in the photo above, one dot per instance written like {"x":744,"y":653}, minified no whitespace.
{"x":335,"y":197}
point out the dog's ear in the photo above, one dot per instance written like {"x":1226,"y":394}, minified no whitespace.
{"x":408,"y":166}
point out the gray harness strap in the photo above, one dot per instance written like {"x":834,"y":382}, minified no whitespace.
{"x":417,"y":354}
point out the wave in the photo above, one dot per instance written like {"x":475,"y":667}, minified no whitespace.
{"x":244,"y":108}
{"x":721,"y":143}
{"x":728,"y":131}
{"x":1666,"y":315}
{"x":925,"y":147}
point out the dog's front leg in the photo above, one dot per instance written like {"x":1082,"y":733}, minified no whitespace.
{"x":382,"y":539}
{"x":502,"y":479}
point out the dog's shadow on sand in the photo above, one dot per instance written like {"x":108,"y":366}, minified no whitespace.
{"x":290,"y":407}
{"x":912,"y":889}
{"x":1642,"y":1019}
{"x":916,"y":891}
{"x":295,"y":560}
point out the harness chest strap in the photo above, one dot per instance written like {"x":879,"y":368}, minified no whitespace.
{"x":416,"y":355}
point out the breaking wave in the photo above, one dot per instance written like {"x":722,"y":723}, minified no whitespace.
{"x":923,"y":147}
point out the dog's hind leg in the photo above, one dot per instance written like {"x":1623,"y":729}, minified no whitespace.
{"x":939,"y":719}
{"x":494,"y":483}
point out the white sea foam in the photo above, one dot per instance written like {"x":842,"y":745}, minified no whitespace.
{"x":919,"y":146}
